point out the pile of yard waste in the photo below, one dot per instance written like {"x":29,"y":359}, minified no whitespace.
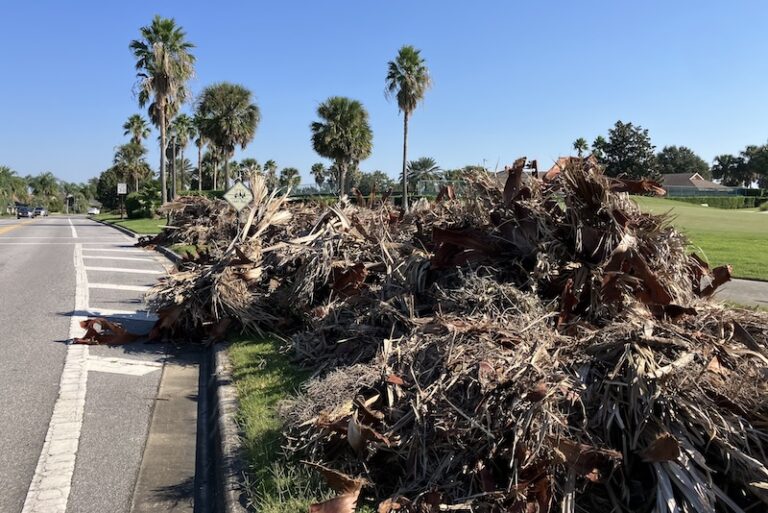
{"x":536,"y":345}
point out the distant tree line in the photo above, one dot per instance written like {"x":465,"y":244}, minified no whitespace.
{"x":628,"y":151}
{"x":44,"y":190}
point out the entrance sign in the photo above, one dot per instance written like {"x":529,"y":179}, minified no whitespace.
{"x":239,"y":196}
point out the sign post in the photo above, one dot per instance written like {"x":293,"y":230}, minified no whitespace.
{"x":239,"y":197}
{"x":122,"y":190}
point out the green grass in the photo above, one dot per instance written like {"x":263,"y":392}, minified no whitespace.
{"x":264,"y":377}
{"x":140,"y":226}
{"x":185,"y":250}
{"x":736,"y":237}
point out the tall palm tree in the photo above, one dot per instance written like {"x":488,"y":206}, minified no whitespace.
{"x":137,"y":127}
{"x":580,"y":145}
{"x":228,"y":118}
{"x":183,"y":129}
{"x":408,"y":80}
{"x":343,"y":135}
{"x":318,"y":173}
{"x":270,"y":173}
{"x":164,"y":64}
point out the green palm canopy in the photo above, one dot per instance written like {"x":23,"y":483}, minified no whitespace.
{"x":342,"y":135}
{"x":407,"y":80}
{"x":137,"y":127}
{"x":164,"y":64}
{"x":228,"y":118}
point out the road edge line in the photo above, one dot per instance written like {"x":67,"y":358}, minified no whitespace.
{"x":51,"y":483}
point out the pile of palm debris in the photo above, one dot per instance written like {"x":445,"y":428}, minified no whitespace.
{"x":544,"y":346}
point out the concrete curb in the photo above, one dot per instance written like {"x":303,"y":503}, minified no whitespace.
{"x":228,"y":467}
{"x":170,"y":255}
{"x":126,"y":231}
{"x":167,"y":253}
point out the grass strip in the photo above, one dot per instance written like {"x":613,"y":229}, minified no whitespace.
{"x":264,"y":376}
{"x":138,"y":226}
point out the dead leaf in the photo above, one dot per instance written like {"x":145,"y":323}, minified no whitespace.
{"x":664,"y":448}
{"x":100,"y":331}
{"x":345,"y":503}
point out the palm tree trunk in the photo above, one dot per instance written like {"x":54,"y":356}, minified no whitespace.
{"x":215,"y":175}
{"x":405,"y":160}
{"x":200,"y":168}
{"x":173,"y":170}
{"x":342,"y":178}
{"x":181,"y":171}
{"x":163,"y":145}
{"x":226,"y":173}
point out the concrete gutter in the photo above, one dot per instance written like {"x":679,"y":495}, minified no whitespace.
{"x":219,"y":483}
{"x":220,"y":471}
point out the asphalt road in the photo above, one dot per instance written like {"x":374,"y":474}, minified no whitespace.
{"x":39,"y":288}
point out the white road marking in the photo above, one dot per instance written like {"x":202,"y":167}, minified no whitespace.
{"x":119,"y":250}
{"x":74,"y":232}
{"x":111,"y":286}
{"x":122,"y":366}
{"x":148,"y":260}
{"x":52,"y":481}
{"x":123,"y":270}
{"x":139,"y":315}
{"x":53,"y":243}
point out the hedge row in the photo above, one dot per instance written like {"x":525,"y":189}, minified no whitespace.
{"x":728,"y":202}
{"x":207,"y":194}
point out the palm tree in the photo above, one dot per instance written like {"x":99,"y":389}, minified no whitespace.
{"x":408,"y":80}
{"x":318,"y":172}
{"x":164,"y":64}
{"x":728,"y":169}
{"x":270,"y":172}
{"x":289,"y":177}
{"x":580,"y":145}
{"x":183,"y":129}
{"x":249,"y":165}
{"x":199,"y":142}
{"x":137,"y":127}
{"x":129,"y":162}
{"x":343,"y":135}
{"x":424,"y":168}
{"x":228,"y":118}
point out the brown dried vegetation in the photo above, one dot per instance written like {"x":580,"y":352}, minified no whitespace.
{"x":542,"y":346}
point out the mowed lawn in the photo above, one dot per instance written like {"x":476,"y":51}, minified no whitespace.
{"x":736,"y":237}
{"x":140,"y":226}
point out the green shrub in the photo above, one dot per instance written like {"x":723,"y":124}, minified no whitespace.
{"x":764,"y":206}
{"x":142,"y":204}
{"x":726,"y":202}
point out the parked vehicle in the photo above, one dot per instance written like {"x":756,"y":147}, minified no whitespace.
{"x":94,"y":211}
{"x":24,"y":212}
{"x":41,"y":211}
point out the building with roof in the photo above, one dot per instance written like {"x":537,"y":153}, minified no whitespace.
{"x":693,"y":184}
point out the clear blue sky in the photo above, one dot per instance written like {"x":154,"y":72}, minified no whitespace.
{"x":510,"y":78}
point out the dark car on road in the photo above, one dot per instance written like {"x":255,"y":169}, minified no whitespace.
{"x":24,"y":212}
{"x":41,"y":211}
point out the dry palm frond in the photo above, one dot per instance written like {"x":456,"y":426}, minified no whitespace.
{"x":541,"y":347}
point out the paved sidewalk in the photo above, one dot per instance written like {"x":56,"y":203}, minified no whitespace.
{"x":745,"y":292}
